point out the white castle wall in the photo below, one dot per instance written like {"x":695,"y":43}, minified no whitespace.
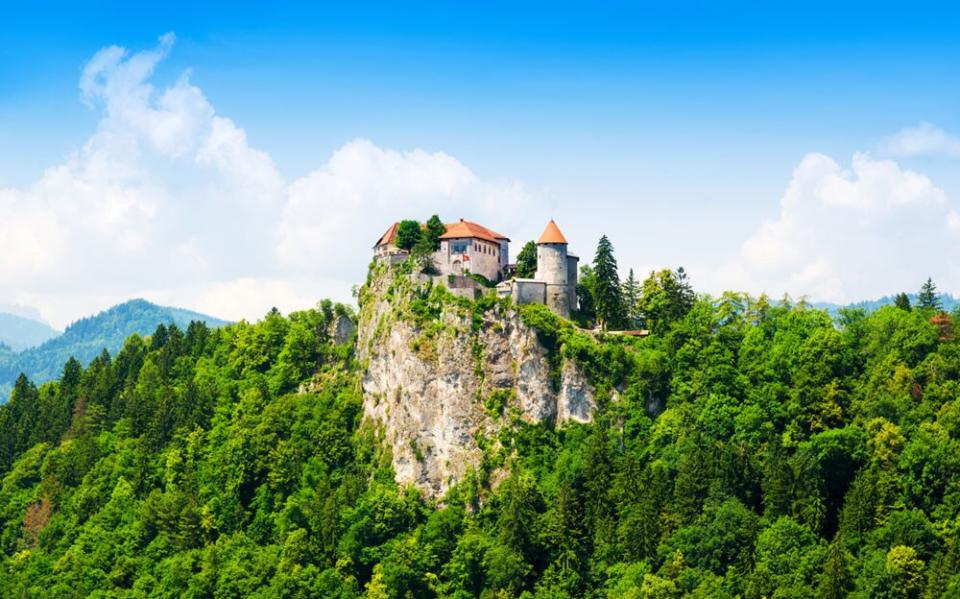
{"x":528,"y":291}
{"x":482,"y":257}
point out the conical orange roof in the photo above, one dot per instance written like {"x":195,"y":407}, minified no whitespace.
{"x":552,"y":234}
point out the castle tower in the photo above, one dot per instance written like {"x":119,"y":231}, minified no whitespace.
{"x":553,"y":268}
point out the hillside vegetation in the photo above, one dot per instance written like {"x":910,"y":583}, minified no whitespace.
{"x":85,"y":339}
{"x":747,"y":449}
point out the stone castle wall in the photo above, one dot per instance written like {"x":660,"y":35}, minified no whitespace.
{"x":552,"y":263}
{"x":528,"y":291}
{"x":482,"y":258}
{"x":573,"y":276}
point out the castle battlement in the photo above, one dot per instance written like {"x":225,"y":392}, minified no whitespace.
{"x":470,"y":248}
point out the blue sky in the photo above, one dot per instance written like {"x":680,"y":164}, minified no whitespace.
{"x":677,"y":130}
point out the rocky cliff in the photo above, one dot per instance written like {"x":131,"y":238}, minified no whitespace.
{"x":444,"y":374}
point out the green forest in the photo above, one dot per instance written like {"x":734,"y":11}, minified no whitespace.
{"x":745,"y":448}
{"x":87,"y":337}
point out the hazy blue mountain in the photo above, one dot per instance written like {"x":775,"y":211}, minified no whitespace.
{"x":18,"y":333}
{"x":949,"y":302}
{"x":87,"y":337}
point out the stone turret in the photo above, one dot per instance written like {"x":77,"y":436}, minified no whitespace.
{"x":553,"y":269}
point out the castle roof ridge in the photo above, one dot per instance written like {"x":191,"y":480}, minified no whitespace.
{"x":465,"y":228}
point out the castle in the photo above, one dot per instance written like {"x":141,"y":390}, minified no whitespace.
{"x":469,"y":248}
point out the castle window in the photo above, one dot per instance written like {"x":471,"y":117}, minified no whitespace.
{"x":459,"y":247}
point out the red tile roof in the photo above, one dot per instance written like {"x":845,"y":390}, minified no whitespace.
{"x":389,"y":235}
{"x":458,"y":230}
{"x":552,"y":234}
{"x":466,"y":228}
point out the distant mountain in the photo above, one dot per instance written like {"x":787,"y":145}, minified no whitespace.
{"x":18,"y":333}
{"x":86,"y":338}
{"x":949,"y":303}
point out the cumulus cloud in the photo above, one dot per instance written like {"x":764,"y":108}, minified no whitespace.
{"x":922,"y":140}
{"x":168,"y":200}
{"x":345,"y":205}
{"x":846,"y":234}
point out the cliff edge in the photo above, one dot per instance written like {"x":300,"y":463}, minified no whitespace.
{"x":444,"y":374}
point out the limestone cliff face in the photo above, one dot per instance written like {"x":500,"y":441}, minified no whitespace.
{"x":439,"y":384}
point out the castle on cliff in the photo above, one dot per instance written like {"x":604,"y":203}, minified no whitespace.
{"x":469,"y":248}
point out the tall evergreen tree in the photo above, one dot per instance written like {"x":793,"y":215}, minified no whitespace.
{"x":19,"y":418}
{"x":902,"y":301}
{"x":929,"y":299}
{"x":631,"y":300}
{"x":776,"y":481}
{"x":606,"y":292}
{"x":519,"y":509}
{"x":835,"y":581}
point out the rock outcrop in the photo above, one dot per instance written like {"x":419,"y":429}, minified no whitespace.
{"x":441,"y":384}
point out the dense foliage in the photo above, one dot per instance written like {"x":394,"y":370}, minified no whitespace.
{"x":527,"y":261}
{"x":86,"y":338}
{"x":748,"y":449}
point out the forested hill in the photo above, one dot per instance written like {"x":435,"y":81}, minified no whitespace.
{"x":947,"y":302}
{"x":744,"y":449}
{"x":88,"y":337}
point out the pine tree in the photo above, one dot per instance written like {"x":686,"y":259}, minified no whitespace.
{"x":835,"y":581}
{"x":902,"y":301}
{"x":606,"y":293}
{"x":928,"y":299}
{"x":519,"y":503}
{"x":685,"y":296}
{"x":694,"y":475}
{"x":631,"y":300}
{"x":942,"y":569}
{"x":19,"y":419}
{"x":776,"y":482}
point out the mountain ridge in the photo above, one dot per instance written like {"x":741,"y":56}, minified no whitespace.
{"x":947,"y":301}
{"x":87,"y":337}
{"x":19,"y":332}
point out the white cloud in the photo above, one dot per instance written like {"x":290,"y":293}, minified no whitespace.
{"x":168,"y":200}
{"x":849,"y":234}
{"x":341,"y":208}
{"x":250,"y":298}
{"x":922,"y":140}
